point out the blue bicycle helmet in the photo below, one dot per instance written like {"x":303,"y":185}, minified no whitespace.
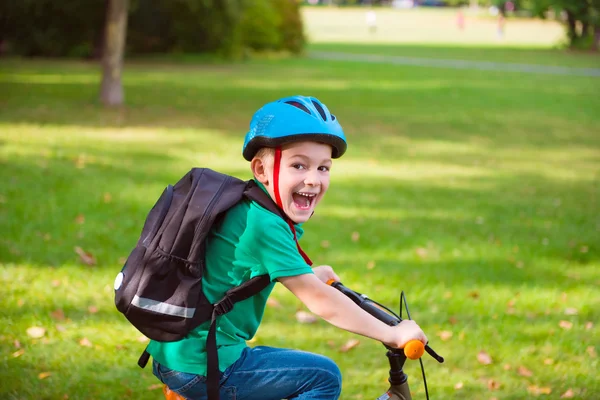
{"x":293,"y":119}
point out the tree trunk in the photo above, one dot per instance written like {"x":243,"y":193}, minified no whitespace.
{"x":111,"y":91}
{"x":572,"y":28}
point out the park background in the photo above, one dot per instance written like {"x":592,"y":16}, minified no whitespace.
{"x":472,"y":182}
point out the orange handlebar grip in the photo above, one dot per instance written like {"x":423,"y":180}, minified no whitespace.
{"x":329,"y":282}
{"x":414,"y":349}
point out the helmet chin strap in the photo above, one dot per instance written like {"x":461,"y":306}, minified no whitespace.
{"x":276,"y":168}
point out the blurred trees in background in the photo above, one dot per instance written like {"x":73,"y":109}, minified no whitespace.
{"x":581,"y":17}
{"x":75,"y":28}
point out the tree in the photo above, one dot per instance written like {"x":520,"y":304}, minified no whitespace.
{"x":581,"y":17}
{"x":115,"y":31}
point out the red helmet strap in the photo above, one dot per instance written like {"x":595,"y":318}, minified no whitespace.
{"x":276,"y":168}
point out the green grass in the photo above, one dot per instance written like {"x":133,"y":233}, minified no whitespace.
{"x":475,"y":192}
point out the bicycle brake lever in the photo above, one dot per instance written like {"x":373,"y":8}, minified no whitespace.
{"x":433,"y":354}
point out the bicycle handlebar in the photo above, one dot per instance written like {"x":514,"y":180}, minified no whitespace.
{"x":414,"y":349}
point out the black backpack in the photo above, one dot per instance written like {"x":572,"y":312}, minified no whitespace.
{"x":159,"y":289}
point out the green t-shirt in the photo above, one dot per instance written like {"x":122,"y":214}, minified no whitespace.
{"x":250,"y":241}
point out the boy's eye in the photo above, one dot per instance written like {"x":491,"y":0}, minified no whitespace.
{"x":298,"y":166}
{"x":323,"y":169}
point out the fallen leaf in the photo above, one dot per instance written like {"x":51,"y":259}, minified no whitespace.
{"x":474,"y":294}
{"x":507,"y":367}
{"x":524,"y":371}
{"x":44,"y":375}
{"x":36,"y":332}
{"x":305,"y":317}
{"x":570,"y":311}
{"x":18,"y":353}
{"x":60,"y":328}
{"x":80,"y":161}
{"x":591,"y":350}
{"x":325,"y":244}
{"x":458,"y":386}
{"x":155,"y":386}
{"x":493,"y":385}
{"x":20,"y":302}
{"x":484,"y":358}
{"x":17,"y":344}
{"x":85,"y":342}
{"x":548,"y":361}
{"x":273,"y":302}
{"x":58,"y":315}
{"x":563,"y":296}
{"x":92,"y":309}
{"x":445,"y":335}
{"x":534,"y":389}
{"x":421,"y":252}
{"x":86,"y":257}
{"x":589,"y":325}
{"x":107,"y":197}
{"x":55,"y":283}
{"x":452,"y":320}
{"x":350,"y":344}
{"x":568,"y":394}
{"x":80,"y":219}
{"x":355,"y":236}
{"x":371,"y":265}
{"x":565,"y":324}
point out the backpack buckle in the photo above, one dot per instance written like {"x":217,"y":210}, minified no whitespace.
{"x":223,"y":306}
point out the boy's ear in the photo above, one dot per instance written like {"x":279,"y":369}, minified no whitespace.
{"x":259,"y":170}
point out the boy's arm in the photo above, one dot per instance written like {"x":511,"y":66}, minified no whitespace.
{"x":337,"y":309}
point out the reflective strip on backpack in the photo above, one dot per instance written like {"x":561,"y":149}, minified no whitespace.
{"x":162,"y":308}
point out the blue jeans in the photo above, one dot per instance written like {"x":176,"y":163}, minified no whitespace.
{"x":263,"y":373}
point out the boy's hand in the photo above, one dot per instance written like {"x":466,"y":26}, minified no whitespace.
{"x":325,"y":273}
{"x":404,"y":332}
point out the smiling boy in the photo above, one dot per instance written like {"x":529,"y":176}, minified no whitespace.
{"x":291,"y":146}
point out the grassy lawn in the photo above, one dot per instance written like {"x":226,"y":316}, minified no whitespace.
{"x":475,"y":192}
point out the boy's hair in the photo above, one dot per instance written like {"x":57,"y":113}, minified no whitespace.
{"x":266,"y":153}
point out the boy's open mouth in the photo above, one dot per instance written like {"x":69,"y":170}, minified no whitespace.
{"x":303,"y":200}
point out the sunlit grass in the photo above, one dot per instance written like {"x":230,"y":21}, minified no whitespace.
{"x":426,"y":26}
{"x":475,"y":192}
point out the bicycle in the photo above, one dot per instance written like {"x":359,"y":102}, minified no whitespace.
{"x":399,"y":389}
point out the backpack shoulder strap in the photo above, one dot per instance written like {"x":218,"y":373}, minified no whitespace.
{"x":255,"y":193}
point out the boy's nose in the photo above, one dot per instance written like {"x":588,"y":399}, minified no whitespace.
{"x":312,"y":179}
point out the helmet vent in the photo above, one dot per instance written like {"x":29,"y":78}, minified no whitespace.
{"x":298,"y":105}
{"x":332,"y":117}
{"x":320,"y":110}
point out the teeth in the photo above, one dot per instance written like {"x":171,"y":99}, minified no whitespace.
{"x":307,"y":194}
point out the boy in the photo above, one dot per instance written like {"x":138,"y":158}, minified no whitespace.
{"x":290,"y":146}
